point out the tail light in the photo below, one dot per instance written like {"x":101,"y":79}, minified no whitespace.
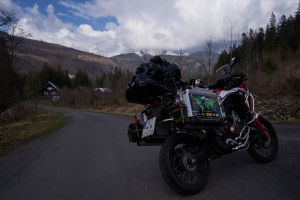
{"x":137,"y":119}
{"x":244,"y":86}
{"x":176,"y":103}
{"x":177,"y":112}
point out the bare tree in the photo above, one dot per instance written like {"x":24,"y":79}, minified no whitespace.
{"x":9,"y":87}
{"x":6,"y":18}
{"x":143,"y":56}
{"x":11,"y":31}
{"x":209,"y":52}
{"x":232,"y":40}
{"x":180,"y":57}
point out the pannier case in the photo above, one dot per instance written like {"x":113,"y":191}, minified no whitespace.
{"x":201,"y":104}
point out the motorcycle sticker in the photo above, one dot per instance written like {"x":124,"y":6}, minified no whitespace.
{"x":205,"y":107}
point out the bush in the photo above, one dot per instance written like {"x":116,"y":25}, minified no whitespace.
{"x":293,"y":86}
{"x":269,"y":66}
{"x":17,"y":113}
{"x":88,"y":98}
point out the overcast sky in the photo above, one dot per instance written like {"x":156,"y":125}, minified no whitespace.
{"x":110,"y":27}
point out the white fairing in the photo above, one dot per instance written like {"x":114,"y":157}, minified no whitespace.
{"x":249,"y":99}
{"x":224,"y":93}
{"x":187,"y":102}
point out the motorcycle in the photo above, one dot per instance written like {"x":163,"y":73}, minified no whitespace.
{"x":198,"y":124}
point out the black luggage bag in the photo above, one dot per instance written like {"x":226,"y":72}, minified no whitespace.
{"x":152,"y":80}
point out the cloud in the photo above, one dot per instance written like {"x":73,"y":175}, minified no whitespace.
{"x":50,"y":9}
{"x":156,"y":24}
{"x":6,"y":3}
{"x":178,"y":24}
{"x":49,"y":27}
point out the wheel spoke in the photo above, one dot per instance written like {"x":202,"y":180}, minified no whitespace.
{"x":186,"y":163}
{"x":181,"y":168}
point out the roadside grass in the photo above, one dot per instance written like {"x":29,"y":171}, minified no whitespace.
{"x":129,"y":109}
{"x":124,"y":109}
{"x":17,"y":133}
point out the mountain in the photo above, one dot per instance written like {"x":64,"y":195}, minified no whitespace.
{"x":129,"y":60}
{"x":32,"y":54}
{"x":192,"y":65}
{"x":202,"y":55}
{"x":142,"y":53}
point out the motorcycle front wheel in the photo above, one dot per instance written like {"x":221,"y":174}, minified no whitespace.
{"x":261,"y":149}
{"x":184,"y":164}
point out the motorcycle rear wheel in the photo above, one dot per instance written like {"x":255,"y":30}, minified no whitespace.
{"x":184,"y":164}
{"x":261,"y":149}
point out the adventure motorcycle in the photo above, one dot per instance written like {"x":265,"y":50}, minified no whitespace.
{"x":197,"y":124}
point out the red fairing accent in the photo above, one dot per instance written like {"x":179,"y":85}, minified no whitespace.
{"x":261,"y":128}
{"x":250,"y":104}
{"x":218,"y":90}
{"x":176,"y":104}
{"x":244,"y":86}
{"x":137,"y":121}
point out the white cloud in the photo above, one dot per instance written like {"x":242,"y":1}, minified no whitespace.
{"x":177,"y":24}
{"x":50,"y":9}
{"x":156,"y":24}
{"x":6,"y":3}
{"x":88,"y":31}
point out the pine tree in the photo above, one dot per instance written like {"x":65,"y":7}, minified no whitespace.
{"x":297,"y":14}
{"x":99,"y":82}
{"x":273,"y":21}
{"x":270,"y":42}
{"x":66,"y":80}
{"x":260,"y":40}
{"x":224,"y":58}
{"x":46,"y":74}
{"x":82,"y":79}
{"x":296,"y":35}
{"x":282,"y":37}
{"x":291,"y":33}
{"x":57,"y":76}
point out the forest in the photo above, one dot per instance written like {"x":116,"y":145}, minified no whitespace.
{"x":270,"y":56}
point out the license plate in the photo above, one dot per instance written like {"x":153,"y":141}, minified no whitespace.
{"x":209,"y":114}
{"x":149,"y":127}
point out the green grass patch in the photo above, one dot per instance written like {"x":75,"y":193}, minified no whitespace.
{"x":17,"y":133}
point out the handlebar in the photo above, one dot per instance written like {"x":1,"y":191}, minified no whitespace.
{"x":227,"y":73}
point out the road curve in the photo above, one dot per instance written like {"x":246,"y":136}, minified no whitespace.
{"x":91,"y":158}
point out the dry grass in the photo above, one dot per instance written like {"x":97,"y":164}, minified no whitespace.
{"x":129,"y":109}
{"x":20,"y":132}
{"x":21,"y":111}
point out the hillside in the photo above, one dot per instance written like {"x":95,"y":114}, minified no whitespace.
{"x":270,"y":56}
{"x":32,"y":54}
{"x":192,"y":65}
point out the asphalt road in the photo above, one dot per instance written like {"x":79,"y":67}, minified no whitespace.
{"x":91,"y":158}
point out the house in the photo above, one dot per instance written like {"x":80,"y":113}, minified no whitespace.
{"x":51,"y":91}
{"x":103,"y":90}
{"x":71,"y":76}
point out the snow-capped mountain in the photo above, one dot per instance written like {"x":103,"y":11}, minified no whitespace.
{"x":192,"y":65}
{"x":149,"y":52}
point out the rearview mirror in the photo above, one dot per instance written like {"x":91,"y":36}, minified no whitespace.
{"x":233,"y":60}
